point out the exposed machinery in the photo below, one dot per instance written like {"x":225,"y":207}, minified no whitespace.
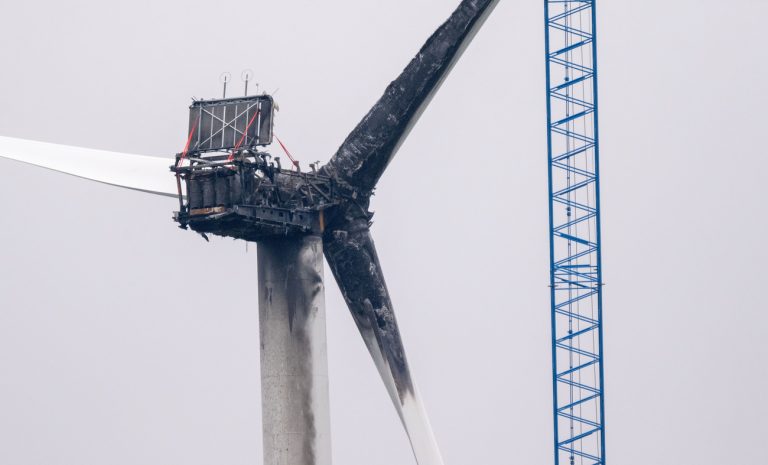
{"x":234,"y":188}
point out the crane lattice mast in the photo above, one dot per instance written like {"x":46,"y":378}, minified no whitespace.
{"x":575,"y":245}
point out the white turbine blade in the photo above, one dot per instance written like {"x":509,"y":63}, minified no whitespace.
{"x":409,"y":405}
{"x":137,"y":172}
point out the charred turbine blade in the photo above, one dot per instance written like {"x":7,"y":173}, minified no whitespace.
{"x":349,"y":248}
{"x":351,"y":254}
{"x":363,"y":157}
{"x":352,"y":257}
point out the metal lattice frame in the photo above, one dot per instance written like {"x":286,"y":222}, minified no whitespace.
{"x":229,"y":123}
{"x":575,"y":253}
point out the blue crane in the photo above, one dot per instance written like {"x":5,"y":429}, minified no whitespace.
{"x":574,"y":221}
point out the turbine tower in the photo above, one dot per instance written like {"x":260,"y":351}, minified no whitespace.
{"x":296,"y":218}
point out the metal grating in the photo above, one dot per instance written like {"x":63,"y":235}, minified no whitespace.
{"x":221,"y":125}
{"x":575,"y":252}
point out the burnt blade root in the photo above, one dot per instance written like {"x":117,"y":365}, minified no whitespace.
{"x":351,"y":254}
{"x":352,"y":257}
{"x":365,"y":154}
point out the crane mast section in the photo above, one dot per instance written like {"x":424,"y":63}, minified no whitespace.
{"x":575,"y":242}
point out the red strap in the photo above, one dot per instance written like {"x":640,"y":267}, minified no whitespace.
{"x":189,"y":141}
{"x":295,"y":163}
{"x":242,"y":138}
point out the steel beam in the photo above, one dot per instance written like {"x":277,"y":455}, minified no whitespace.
{"x":575,"y":240}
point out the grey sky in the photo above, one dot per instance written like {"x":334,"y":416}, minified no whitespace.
{"x":111,"y":353}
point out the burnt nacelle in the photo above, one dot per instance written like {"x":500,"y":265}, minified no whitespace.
{"x":250,"y":198}
{"x":229,"y":186}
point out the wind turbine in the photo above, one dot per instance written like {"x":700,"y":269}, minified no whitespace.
{"x":291,"y":292}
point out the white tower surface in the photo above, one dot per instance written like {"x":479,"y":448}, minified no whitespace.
{"x":294,"y":357}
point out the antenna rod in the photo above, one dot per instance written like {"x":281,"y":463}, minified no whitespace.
{"x":246,"y":76}
{"x":224,"y":78}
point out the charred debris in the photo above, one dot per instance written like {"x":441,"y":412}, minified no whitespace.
{"x":232,"y":187}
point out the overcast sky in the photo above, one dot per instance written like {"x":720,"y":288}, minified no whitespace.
{"x":125,"y":340}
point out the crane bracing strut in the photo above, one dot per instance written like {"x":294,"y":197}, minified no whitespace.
{"x":575,"y":245}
